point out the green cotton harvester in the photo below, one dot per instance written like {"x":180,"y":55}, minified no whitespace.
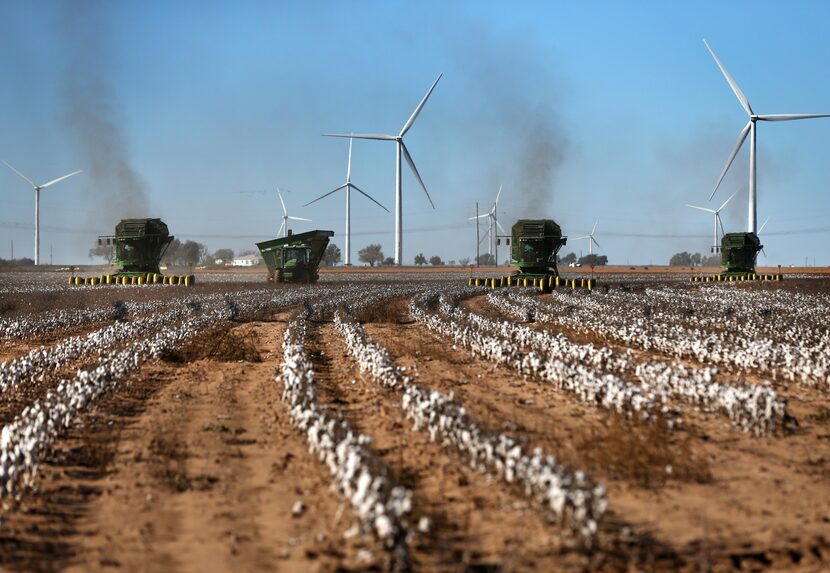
{"x":738,"y":253}
{"x":534,"y":246}
{"x":295,"y":258}
{"x":138,"y":246}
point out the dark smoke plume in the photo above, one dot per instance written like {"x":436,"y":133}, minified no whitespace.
{"x":516,"y":95}
{"x":91,"y":114}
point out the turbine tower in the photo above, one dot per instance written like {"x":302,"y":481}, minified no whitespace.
{"x":750,"y":129}
{"x":37,"y":189}
{"x":400,"y":149}
{"x":493,"y":223}
{"x":591,"y":240}
{"x":286,"y":217}
{"x":348,"y":186}
{"x":717,"y":218}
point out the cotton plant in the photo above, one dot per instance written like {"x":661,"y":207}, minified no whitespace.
{"x":570,"y":496}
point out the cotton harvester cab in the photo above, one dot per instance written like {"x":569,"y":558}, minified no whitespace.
{"x":535,"y":244}
{"x":138,"y":246}
{"x":295,"y":258}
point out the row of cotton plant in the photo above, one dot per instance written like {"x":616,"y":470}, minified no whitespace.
{"x":39,"y":361}
{"x":754,"y":408}
{"x":570,"y":496}
{"x":25,"y":441}
{"x":359,"y":475}
{"x":808,"y":364}
{"x":23,"y":327}
{"x":782,"y":316}
{"x":606,"y":391}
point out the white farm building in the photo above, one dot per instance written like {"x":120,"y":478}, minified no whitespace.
{"x":247,"y":261}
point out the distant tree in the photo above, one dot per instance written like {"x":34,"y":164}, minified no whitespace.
{"x":372,"y":254}
{"x":696,"y":258}
{"x":486,"y":260}
{"x":451,"y":263}
{"x":593,"y":260}
{"x":420,"y":259}
{"x":464,"y":261}
{"x":388,"y":262}
{"x":568,"y":259}
{"x":435,"y":261}
{"x":223,"y":254}
{"x":331,"y":256}
{"x":683,"y":259}
{"x":711,"y":261}
{"x":192,"y":253}
{"x":107,"y":252}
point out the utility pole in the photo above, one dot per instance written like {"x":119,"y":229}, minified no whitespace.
{"x":478,"y":256}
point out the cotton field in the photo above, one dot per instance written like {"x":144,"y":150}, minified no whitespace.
{"x":407,"y":422}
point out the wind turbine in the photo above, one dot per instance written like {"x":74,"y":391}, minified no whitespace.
{"x":591,"y":240}
{"x":493,"y":222}
{"x":400,"y":149}
{"x":751,"y":130}
{"x":348,"y":186}
{"x":37,"y":189}
{"x":286,"y":217}
{"x":718,"y":222}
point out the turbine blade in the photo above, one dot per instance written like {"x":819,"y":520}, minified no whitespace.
{"x":53,"y":181}
{"x":282,"y":228}
{"x":735,"y":150}
{"x":583,"y":237}
{"x":362,"y":136}
{"x":701,"y":208}
{"x":32,"y":183}
{"x":595,"y":227}
{"x":791,"y":116}
{"x":284,"y":210}
{"x":762,"y":226}
{"x":474,"y":217}
{"x":369,"y":197}
{"x":596,"y":242}
{"x":326,"y":195}
{"x":738,"y":93}
{"x":496,"y":202}
{"x":727,"y":201}
{"x":415,"y":170}
{"x":418,"y":109}
{"x":501,"y":228}
{"x":720,"y":222}
{"x":297,"y":218}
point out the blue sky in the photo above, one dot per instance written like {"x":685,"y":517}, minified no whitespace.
{"x":582,"y":110}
